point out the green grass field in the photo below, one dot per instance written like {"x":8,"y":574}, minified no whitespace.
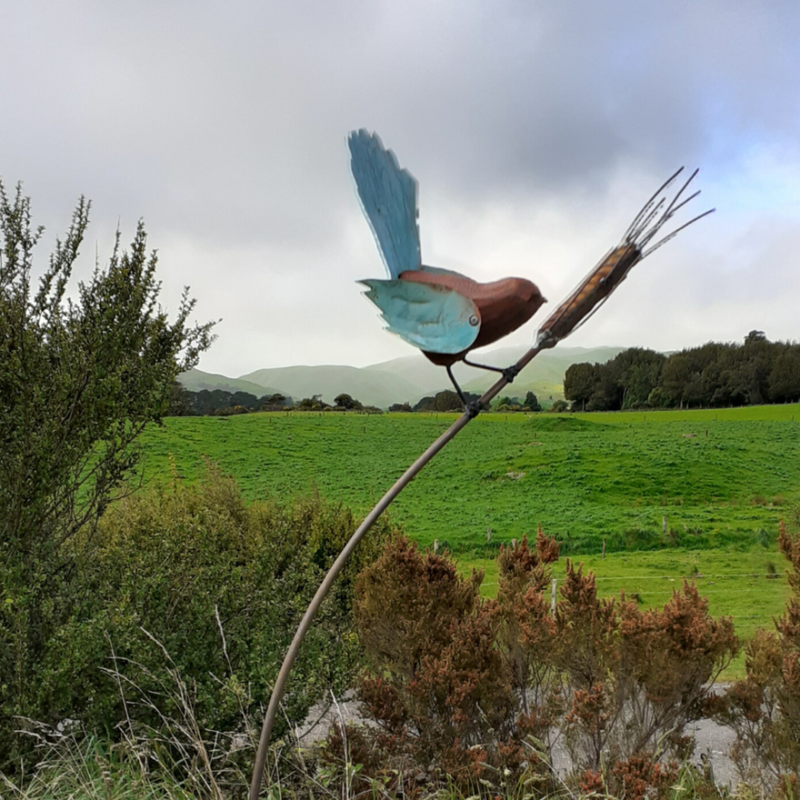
{"x":719,"y":478}
{"x":722,"y":479}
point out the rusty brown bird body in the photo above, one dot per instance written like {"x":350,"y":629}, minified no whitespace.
{"x":503,"y":306}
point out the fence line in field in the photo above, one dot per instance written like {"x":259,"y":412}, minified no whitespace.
{"x":781,"y":579}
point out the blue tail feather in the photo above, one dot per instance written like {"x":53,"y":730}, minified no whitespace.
{"x":388,"y":197}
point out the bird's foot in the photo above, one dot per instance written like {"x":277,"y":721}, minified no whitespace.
{"x":509,"y":373}
{"x":471,"y":407}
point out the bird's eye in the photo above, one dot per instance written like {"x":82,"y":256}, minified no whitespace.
{"x":473,"y":320}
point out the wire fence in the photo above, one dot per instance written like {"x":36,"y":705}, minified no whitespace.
{"x":776,"y":579}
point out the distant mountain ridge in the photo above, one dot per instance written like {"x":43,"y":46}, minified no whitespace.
{"x":405,"y":379}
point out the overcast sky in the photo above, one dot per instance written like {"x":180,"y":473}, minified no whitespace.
{"x":535,"y":130}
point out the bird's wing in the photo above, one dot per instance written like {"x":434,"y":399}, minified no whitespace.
{"x":388,"y":197}
{"x":429,"y":317}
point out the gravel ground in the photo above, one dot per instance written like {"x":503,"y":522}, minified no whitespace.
{"x":713,"y":741}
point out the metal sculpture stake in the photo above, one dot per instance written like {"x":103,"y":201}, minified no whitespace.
{"x":593,"y":291}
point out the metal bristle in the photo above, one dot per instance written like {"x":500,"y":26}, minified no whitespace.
{"x":646,"y":235}
{"x":647,"y":205}
{"x":676,"y":232}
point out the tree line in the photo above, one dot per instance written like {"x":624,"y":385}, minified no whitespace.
{"x":218,"y":402}
{"x":713,"y":375}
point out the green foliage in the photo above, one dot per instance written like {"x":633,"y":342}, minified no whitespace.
{"x":79,"y":381}
{"x":626,"y":381}
{"x":93,"y":769}
{"x":217,"y":584}
{"x":275,"y":402}
{"x":179,"y":403}
{"x":446,"y":400}
{"x":219,"y":402}
{"x":713,"y":375}
{"x":314,"y":403}
{"x":579,"y":384}
{"x":347,"y":402}
{"x":532,"y":402}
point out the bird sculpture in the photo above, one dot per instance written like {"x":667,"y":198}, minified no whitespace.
{"x":443,"y":313}
{"x":446,"y":314}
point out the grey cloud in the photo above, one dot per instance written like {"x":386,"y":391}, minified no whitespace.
{"x":224,"y":126}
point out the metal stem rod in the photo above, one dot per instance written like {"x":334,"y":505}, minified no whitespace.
{"x":406,"y":478}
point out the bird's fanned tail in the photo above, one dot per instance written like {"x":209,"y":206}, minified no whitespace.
{"x":388,"y":195}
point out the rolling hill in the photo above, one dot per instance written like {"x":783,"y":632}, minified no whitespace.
{"x":404,"y":379}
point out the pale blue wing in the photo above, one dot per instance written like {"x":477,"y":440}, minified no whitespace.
{"x":388,"y":197}
{"x":429,"y":317}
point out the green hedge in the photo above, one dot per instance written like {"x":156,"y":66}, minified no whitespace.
{"x":168,"y":571}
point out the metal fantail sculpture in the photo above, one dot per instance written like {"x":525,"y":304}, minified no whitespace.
{"x":446,"y":315}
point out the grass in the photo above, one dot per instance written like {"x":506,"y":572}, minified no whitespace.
{"x":720,"y":480}
{"x":93,"y":769}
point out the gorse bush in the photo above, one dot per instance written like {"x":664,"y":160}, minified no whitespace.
{"x":764,"y":708}
{"x":191,"y":580}
{"x":430,"y":643}
{"x":79,"y":380}
{"x":486,"y":689}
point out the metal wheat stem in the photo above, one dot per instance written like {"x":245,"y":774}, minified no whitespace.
{"x":333,"y":572}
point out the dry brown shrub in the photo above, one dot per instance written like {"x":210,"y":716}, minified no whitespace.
{"x":527,"y":633}
{"x":437,"y":683}
{"x":485,"y":689}
{"x":764,"y":708}
{"x":641,"y":776}
{"x":669,"y":659}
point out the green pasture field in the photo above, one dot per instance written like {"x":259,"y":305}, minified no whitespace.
{"x":722,"y":479}
{"x":719,"y":478}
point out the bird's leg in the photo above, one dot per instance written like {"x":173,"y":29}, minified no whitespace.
{"x":509,"y":373}
{"x":472,"y":408}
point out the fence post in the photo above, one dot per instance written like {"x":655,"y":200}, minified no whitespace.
{"x":553,"y":596}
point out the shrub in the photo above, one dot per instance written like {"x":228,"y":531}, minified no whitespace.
{"x":218,"y":584}
{"x":437,"y":684}
{"x":486,"y":688}
{"x":80,"y":379}
{"x":764,"y":709}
